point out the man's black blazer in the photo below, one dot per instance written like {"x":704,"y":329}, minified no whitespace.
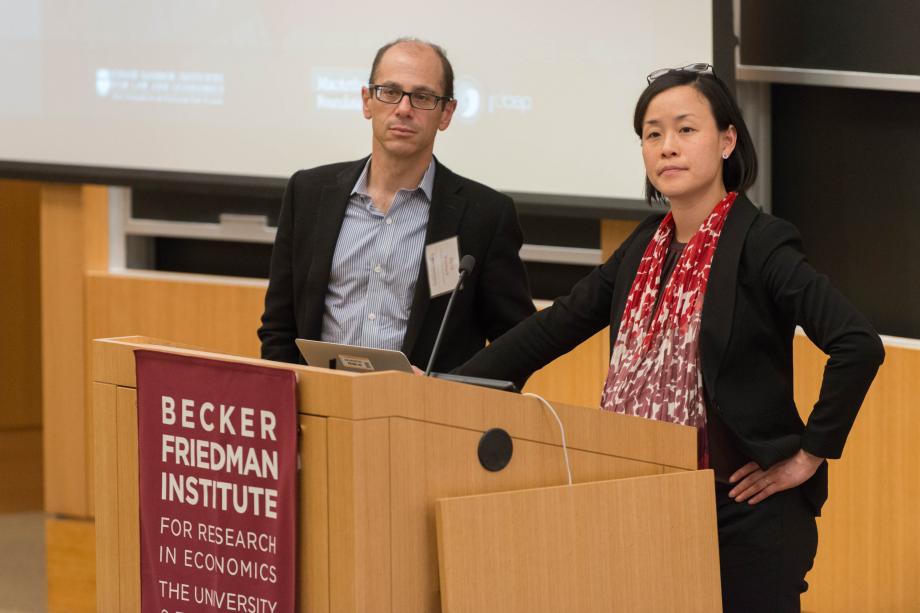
{"x":494,"y":298}
{"x":760,"y":288}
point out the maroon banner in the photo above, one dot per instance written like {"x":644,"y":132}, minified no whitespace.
{"x":217,"y":450}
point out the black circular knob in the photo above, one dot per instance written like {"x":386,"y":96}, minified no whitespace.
{"x":495,"y":449}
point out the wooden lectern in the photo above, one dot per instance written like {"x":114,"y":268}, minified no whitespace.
{"x":384,"y":453}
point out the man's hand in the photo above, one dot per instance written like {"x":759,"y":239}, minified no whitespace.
{"x":754,"y":484}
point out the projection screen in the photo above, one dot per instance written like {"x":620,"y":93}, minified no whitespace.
{"x":235,"y":87}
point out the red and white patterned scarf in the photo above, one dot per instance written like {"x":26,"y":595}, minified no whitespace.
{"x":655,"y":366}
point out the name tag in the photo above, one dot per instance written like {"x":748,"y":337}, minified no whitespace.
{"x":443,"y":262}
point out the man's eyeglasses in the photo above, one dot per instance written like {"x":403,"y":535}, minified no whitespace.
{"x":699,"y":68}
{"x":419,"y":100}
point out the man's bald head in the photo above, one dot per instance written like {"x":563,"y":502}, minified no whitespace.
{"x":448,"y":70}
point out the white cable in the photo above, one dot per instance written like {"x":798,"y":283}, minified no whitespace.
{"x":565,"y":448}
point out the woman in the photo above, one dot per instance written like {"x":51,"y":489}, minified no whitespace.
{"x":702,"y":304}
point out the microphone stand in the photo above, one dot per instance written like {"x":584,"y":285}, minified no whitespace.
{"x":466,"y":265}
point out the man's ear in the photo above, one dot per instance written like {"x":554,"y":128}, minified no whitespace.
{"x":366,"y":102}
{"x":447,"y":114}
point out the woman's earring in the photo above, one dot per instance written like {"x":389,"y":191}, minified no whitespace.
{"x":724,"y":156}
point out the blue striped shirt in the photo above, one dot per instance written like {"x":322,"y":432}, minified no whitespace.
{"x":375,"y":266}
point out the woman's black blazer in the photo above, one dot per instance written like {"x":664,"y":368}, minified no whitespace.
{"x":760,"y":288}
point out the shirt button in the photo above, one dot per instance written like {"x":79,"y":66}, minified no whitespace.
{"x":377,"y":268}
{"x":371,"y":316}
{"x":389,"y":221}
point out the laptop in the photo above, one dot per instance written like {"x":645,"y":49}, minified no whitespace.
{"x":351,"y":358}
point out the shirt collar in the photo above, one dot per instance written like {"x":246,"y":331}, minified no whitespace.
{"x":426,"y":184}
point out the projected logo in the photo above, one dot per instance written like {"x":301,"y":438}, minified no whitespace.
{"x":103,"y":82}
{"x":338,"y":89}
{"x":469,"y":99}
{"x":160,"y":86}
{"x":512,"y":103}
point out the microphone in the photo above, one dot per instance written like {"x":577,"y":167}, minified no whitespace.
{"x":467,"y":263}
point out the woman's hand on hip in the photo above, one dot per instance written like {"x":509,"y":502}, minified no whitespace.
{"x":754,"y":484}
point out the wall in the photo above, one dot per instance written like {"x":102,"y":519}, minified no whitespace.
{"x":20,"y":348}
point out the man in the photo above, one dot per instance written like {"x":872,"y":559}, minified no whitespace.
{"x":349,"y":265}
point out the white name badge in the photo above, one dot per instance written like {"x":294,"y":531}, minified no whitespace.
{"x":443,"y":261}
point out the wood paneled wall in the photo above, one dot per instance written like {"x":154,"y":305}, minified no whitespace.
{"x":20,"y":348}
{"x":20,"y":470}
{"x":869,"y":539}
{"x":217,"y":313}
{"x":20,"y":306}
{"x":74,"y":240}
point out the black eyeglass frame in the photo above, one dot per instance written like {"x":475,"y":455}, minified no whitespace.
{"x":375,"y":88}
{"x":697,"y":68}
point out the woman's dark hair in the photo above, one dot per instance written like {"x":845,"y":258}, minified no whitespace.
{"x":739,"y":171}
